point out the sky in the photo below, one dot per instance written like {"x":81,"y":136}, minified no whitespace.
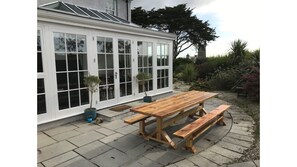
{"x":232,"y":19}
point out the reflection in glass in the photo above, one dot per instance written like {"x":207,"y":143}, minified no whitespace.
{"x":145,"y":49}
{"x":110,"y":77}
{"x":128,"y":75}
{"x":127,"y":46}
{"x":72,"y":62}
{"x":82,"y":75}
{"x":109,"y":58}
{"x":150,"y":61}
{"x":122,"y":90}
{"x":129,"y":88}
{"x":84,"y":96}
{"x":38,"y":43}
{"x":40,"y":85}
{"x":108,"y":45}
{"x":101,"y":61}
{"x":151,"y":84}
{"x":102,"y":77}
{"x":122,"y":75}
{"x":62,"y":81}
{"x":41,"y":105}
{"x":81,"y":43}
{"x":71,"y":42}
{"x":110,"y":91}
{"x":39,"y":62}
{"x":100,"y":45}
{"x":73,"y":80}
{"x":102,"y":93}
{"x":59,"y":42}
{"x":60,"y":62}
{"x":145,"y":61}
{"x":150,"y":49}
{"x":74,"y":98}
{"x":128,"y":61}
{"x":121,"y":61}
{"x":139,"y":48}
{"x":139,"y":61}
{"x":121,"y":46}
{"x":63,"y":100}
{"x":82,"y":62}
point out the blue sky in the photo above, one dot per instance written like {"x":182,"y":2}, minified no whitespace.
{"x":233,"y":19}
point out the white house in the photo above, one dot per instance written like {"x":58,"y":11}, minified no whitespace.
{"x":75,"y":38}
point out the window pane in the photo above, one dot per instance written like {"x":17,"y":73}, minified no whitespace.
{"x":39,"y":62}
{"x":127,"y":46}
{"x":40,"y":85}
{"x":166,"y":82}
{"x":121,"y":61}
{"x":158,"y":49}
{"x":63,"y":100}
{"x":72,"y":62}
{"x":71,"y":42}
{"x":108,"y":45}
{"x":102,"y":77}
{"x":151,"y":72}
{"x":166,"y":50}
{"x":73,"y":80}
{"x":62,"y":81}
{"x":166,"y":73}
{"x":101,"y":61}
{"x":122,"y":75}
{"x":110,"y":91}
{"x":129,"y":89}
{"x":82,"y":62}
{"x":74,"y":98}
{"x":110,"y":77}
{"x":82,"y":75}
{"x":145,"y":49}
{"x":121,"y":46}
{"x":140,"y":88}
{"x":151,"y":84}
{"x":139,"y":48}
{"x":159,"y":83}
{"x":103,"y":94}
{"x":128,"y":61}
{"x":150,"y":49}
{"x":100,"y":45}
{"x":122,"y":90}
{"x":159,"y":73}
{"x":60,"y":62}
{"x":41,"y":105}
{"x":139,"y":61}
{"x":81,"y":43}
{"x":84,"y":96}
{"x":128,"y":75}
{"x":145,"y":61}
{"x":150,"y":61}
{"x":38,"y":43}
{"x":159,"y":60}
{"x":59,"y":41}
{"x":109,"y":58}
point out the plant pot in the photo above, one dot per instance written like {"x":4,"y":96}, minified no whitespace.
{"x":90,"y":114}
{"x":147,"y":99}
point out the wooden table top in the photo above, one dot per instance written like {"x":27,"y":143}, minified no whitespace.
{"x":173,"y":104}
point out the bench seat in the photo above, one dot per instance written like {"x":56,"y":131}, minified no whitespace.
{"x":191,"y":131}
{"x":136,"y":118}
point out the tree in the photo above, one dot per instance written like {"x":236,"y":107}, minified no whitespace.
{"x":238,"y":50}
{"x":179,"y":20}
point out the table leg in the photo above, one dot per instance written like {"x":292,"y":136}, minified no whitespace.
{"x":202,"y":110}
{"x":159,"y":128}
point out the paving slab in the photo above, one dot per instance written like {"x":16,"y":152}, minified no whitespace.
{"x":111,"y":138}
{"x":93,"y":149}
{"x":232,"y":147}
{"x":214,"y":157}
{"x":85,"y":138}
{"x":184,"y":163}
{"x":77,"y":162}
{"x":243,"y":164}
{"x":54,"y":150}
{"x":111,"y":158}
{"x":80,"y":123}
{"x":225,"y":152}
{"x":241,"y":137}
{"x":87,"y":128}
{"x":237,"y":141}
{"x":66,"y":135}
{"x":127,"y":129}
{"x":241,"y":132}
{"x":160,"y":156}
{"x":139,"y":150}
{"x":143,"y":162}
{"x":114,"y":124}
{"x":127,"y":142}
{"x":39,"y":165}
{"x":60,"y":129}
{"x":105,"y":131}
{"x":201,"y":161}
{"x":60,"y":159}
{"x":44,"y":140}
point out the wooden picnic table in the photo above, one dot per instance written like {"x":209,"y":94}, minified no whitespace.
{"x":169,"y":110}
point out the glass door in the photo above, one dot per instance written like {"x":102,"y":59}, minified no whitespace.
{"x":125,"y":67}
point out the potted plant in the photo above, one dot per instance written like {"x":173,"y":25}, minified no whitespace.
{"x":91,"y":81}
{"x":142,"y":78}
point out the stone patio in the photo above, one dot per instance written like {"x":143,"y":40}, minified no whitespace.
{"x":115,"y":143}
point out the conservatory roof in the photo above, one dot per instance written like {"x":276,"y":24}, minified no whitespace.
{"x":63,"y":7}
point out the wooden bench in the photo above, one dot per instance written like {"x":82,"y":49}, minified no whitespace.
{"x":141,"y":119}
{"x":191,"y":131}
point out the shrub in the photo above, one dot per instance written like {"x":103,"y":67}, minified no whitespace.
{"x":200,"y":85}
{"x":189,"y":73}
{"x":251,"y":82}
{"x":224,"y":80}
